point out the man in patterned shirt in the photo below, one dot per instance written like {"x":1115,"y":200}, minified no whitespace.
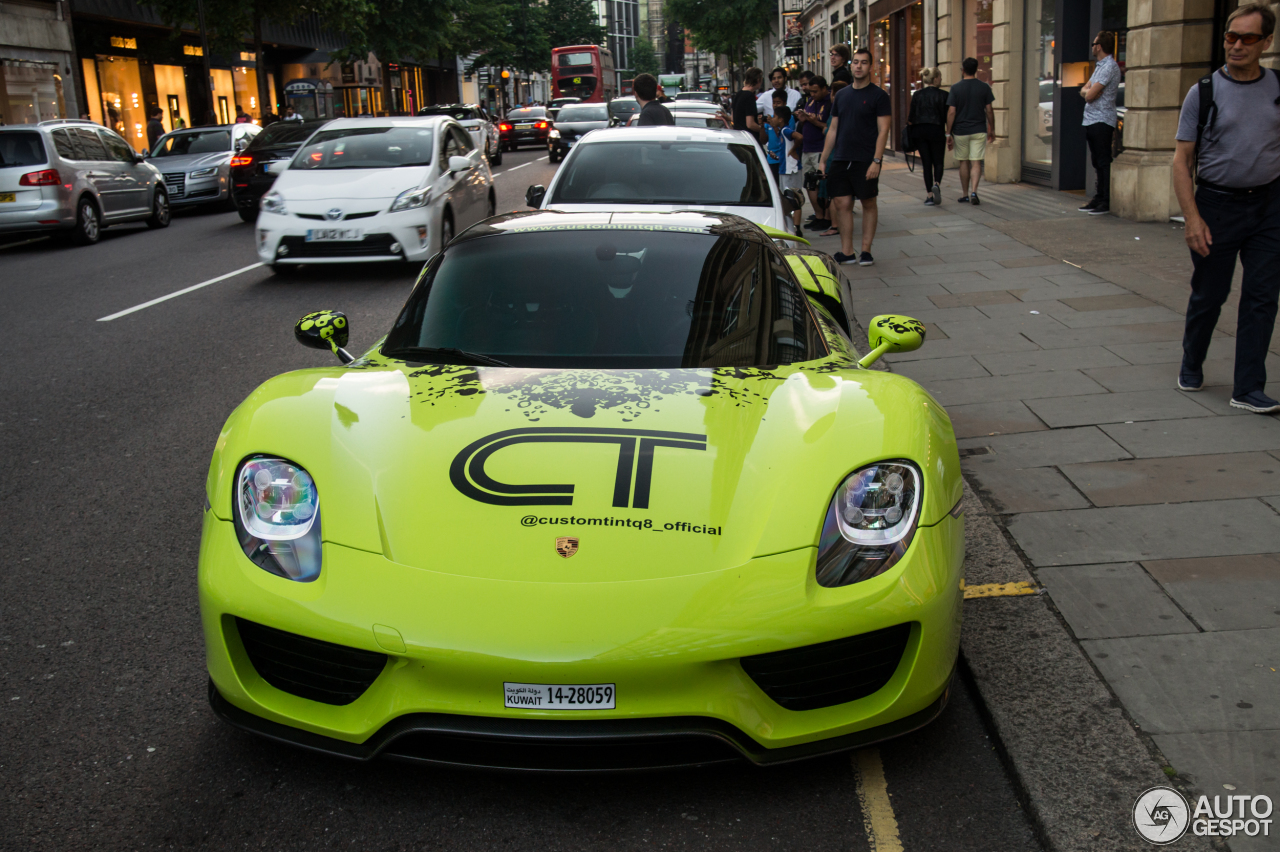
{"x":1100,"y":118}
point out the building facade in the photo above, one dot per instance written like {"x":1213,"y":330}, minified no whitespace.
{"x":37,"y":63}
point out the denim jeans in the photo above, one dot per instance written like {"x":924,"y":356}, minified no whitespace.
{"x":1248,"y":226}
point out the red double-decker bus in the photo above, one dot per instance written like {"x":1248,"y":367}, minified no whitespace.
{"x":583,"y":71}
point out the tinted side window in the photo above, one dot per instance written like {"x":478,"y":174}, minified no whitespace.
{"x":116,"y":147}
{"x":91,"y":147}
{"x":463,"y":139}
{"x":793,"y":336}
{"x":449,"y":148}
{"x":62,"y":142}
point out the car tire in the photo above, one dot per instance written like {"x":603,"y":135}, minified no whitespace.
{"x":160,"y":213}
{"x":248,"y":214}
{"x":553,"y":156}
{"x":493,"y":205}
{"x":495,"y":159}
{"x":88,"y":227}
{"x":446,"y":230}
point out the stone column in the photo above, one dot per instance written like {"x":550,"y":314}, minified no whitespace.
{"x":949,"y":40}
{"x":1169,"y":49}
{"x":1004,"y":157}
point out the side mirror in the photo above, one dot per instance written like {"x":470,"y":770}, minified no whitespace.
{"x":325,"y":330}
{"x":534,"y":195}
{"x":891,"y":333}
{"x":460,"y":164}
{"x":241,"y":144}
{"x":141,"y":158}
{"x":791,"y":201}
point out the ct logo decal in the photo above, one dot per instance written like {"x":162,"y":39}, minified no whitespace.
{"x":630,"y":484}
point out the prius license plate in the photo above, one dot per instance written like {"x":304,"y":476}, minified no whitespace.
{"x":326,"y":235}
{"x":560,"y":696}
{"x":7,"y":197}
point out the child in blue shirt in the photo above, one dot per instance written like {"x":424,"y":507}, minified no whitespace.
{"x":780,"y":126}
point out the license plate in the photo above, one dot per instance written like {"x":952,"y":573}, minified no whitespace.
{"x":324,"y":235}
{"x":572,"y":143}
{"x":266,"y":168}
{"x":560,"y":696}
{"x":523,"y":126}
{"x":7,"y":197}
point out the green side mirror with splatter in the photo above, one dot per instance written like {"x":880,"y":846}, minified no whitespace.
{"x":890,"y":333}
{"x":325,"y":330}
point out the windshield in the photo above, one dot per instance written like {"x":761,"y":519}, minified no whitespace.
{"x":21,"y":148}
{"x":571,"y":60}
{"x":623,"y":106}
{"x":656,"y":172}
{"x":693,"y":96}
{"x":198,"y":142}
{"x":609,"y":297}
{"x":527,"y":112}
{"x":366,"y":148}
{"x":559,"y":102}
{"x":583,"y":113}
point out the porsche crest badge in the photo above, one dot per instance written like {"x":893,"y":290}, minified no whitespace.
{"x":566,"y":546}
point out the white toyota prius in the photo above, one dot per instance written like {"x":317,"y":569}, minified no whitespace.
{"x":374,"y":189}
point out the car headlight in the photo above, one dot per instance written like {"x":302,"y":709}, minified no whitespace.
{"x":204,"y":172}
{"x":555,"y":134}
{"x":277,"y":518}
{"x":869,"y":524}
{"x":411,"y":198}
{"x":273,"y":202}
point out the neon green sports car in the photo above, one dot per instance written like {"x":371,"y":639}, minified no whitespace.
{"x":614,"y":492}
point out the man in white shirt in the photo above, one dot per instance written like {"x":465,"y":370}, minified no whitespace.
{"x":764,"y":103}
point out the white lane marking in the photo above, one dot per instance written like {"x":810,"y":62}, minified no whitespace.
{"x":178,"y":293}
{"x":521,"y":166}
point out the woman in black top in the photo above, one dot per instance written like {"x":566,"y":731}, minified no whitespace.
{"x":928,"y":120}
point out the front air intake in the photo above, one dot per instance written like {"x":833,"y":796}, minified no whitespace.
{"x":832,"y":672}
{"x":309,"y":668}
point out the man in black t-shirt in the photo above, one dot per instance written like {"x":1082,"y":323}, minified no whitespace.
{"x":155,"y":128}
{"x":851,"y":155}
{"x":745,"y":114}
{"x":652,"y":113}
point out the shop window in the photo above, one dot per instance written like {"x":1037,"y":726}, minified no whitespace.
{"x":245,"y":81}
{"x":915,"y":45}
{"x":171,"y":89}
{"x":1038,"y":87}
{"x":881,"y":44}
{"x":192,"y":50}
{"x":121,"y":97}
{"x":33,"y":92}
{"x":977,"y":35}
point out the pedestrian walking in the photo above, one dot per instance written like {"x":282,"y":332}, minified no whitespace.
{"x":971,"y":124}
{"x":1229,"y":135}
{"x":778,"y":81}
{"x":852,"y":154}
{"x":840,"y":73}
{"x":652,"y":113}
{"x":928,"y":119}
{"x":155,"y":128}
{"x":746,"y":116}
{"x":812,"y":124}
{"x":1100,"y":118}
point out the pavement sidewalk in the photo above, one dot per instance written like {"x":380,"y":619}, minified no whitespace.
{"x":1151,"y":517}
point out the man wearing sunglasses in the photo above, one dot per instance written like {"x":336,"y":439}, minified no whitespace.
{"x":1100,"y":118}
{"x":1236,"y":208}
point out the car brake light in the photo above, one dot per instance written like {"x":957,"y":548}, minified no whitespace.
{"x":241,"y":160}
{"x":47,"y":177}
{"x":504,"y":127}
{"x":542,"y":125}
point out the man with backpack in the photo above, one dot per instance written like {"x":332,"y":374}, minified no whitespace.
{"x":1229,"y":133}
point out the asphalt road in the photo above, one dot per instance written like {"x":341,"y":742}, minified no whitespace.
{"x":106,"y":737}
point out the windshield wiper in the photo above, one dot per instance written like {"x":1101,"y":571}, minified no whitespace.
{"x":411,"y":353}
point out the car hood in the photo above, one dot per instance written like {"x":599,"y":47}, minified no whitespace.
{"x":655,"y":473}
{"x":348,"y":184}
{"x":189,"y":161}
{"x":760,"y":215}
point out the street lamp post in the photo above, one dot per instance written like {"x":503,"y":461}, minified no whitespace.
{"x":204,"y":55}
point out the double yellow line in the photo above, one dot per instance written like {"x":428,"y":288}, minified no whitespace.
{"x":873,"y":795}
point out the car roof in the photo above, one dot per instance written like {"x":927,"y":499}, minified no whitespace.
{"x":388,"y":121}
{"x":668,"y":133}
{"x":680,"y":221}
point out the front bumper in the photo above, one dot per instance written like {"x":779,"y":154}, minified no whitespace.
{"x":190,"y":191}
{"x":406,"y":235}
{"x":672,"y":647}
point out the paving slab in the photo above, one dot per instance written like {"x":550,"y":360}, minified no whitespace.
{"x":1043,"y":449}
{"x":1197,"y":436}
{"x":1049,"y":307}
{"x":1022,"y":262}
{"x":937,"y":369}
{"x":1045,"y":291}
{"x":1108,"y":303}
{"x":1247,"y":760}
{"x":1028,"y":489}
{"x":986,"y":297}
{"x":1273,"y":502}
{"x":1122,"y":316}
{"x":1195,"y":682}
{"x":933,"y":314}
{"x":965,"y":266}
{"x":1003,"y":282}
{"x":1137,"y":533}
{"x":1217,"y":398}
{"x":1022,"y":386}
{"x":1153,"y":376}
{"x":1224,"y":592}
{"x":1177,"y":479}
{"x":1167,"y":404}
{"x":1018,"y":322}
{"x":1077,"y":276}
{"x":993,"y":418}
{"x":1083,"y":358}
{"x":1106,"y":601}
{"x":1022,"y":273}
{"x":1007,"y":342}
{"x":1108,"y":336}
